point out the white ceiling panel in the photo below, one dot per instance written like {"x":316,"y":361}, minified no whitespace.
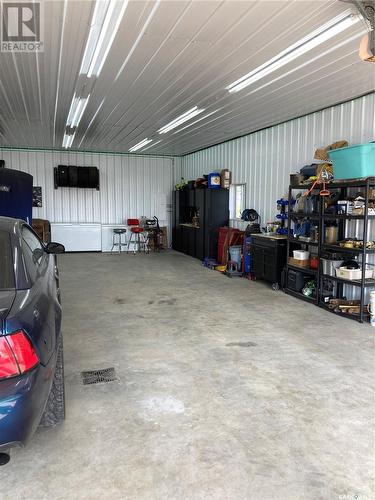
{"x":167,"y":57}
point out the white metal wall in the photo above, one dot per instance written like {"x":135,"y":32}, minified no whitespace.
{"x":264,"y":160}
{"x":130,"y":185}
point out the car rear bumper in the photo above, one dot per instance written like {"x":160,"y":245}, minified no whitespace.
{"x":22,"y":402}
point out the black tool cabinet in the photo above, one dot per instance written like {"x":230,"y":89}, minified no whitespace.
{"x":212,"y":205}
{"x":269,"y":256}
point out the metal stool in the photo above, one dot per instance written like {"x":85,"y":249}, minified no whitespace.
{"x":117,"y":234}
{"x":137,"y":236}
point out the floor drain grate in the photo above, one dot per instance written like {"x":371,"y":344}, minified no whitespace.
{"x":98,"y":376}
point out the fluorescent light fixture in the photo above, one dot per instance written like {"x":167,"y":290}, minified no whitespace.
{"x":195,"y":121}
{"x":309,"y":61}
{"x":140,"y":145}
{"x":152,"y":145}
{"x":181,"y":119}
{"x":73,"y":109}
{"x":68,"y":140}
{"x":77,"y":108}
{"x":106,"y":20}
{"x":309,"y":42}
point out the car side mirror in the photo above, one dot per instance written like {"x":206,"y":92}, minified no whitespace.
{"x":53,"y":247}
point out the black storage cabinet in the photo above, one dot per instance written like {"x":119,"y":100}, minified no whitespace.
{"x":213,"y":207}
{"x":178,"y":216}
{"x":269,"y":256}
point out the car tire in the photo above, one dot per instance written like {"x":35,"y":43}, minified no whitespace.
{"x":54,"y":412}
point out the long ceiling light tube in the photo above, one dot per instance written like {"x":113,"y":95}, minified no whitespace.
{"x":152,"y":145}
{"x":73,"y":109}
{"x":178,"y":118}
{"x":315,"y":38}
{"x":68,"y":140}
{"x":98,"y":18}
{"x":100,"y":41}
{"x":181,"y":119}
{"x":140,"y":145}
{"x":106,"y":20}
{"x":305,"y":63}
{"x":109,"y":43}
{"x":77,"y":109}
{"x":195,"y":121}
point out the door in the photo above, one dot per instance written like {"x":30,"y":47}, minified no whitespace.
{"x":191,"y":241}
{"x":41,"y":308}
{"x":199,"y":232}
{"x":258,"y":264}
{"x":179,"y":216}
{"x":216,"y":216}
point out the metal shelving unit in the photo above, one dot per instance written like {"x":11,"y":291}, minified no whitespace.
{"x":321,"y":246}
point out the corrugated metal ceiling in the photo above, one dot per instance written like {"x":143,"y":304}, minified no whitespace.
{"x":187,"y":55}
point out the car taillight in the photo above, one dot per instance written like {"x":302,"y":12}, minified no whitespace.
{"x":17,"y":355}
{"x":8,"y":365}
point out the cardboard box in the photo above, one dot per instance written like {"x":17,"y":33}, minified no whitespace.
{"x":299,"y":263}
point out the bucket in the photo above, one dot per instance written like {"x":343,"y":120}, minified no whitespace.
{"x":371,"y":308}
{"x":235,"y":255}
{"x":331,"y":234}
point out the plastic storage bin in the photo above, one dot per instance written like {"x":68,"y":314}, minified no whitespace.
{"x":352,"y":274}
{"x":354,"y":161}
{"x":301,"y":254}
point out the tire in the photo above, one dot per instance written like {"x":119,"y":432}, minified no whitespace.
{"x":54,"y":412}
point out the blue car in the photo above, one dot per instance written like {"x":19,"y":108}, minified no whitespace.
{"x":31,"y":350}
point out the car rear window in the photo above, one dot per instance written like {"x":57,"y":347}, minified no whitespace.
{"x":6,"y":262}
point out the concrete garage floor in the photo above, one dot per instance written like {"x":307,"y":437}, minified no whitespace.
{"x":226,"y":390}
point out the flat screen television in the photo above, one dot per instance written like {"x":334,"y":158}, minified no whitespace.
{"x":79,"y":177}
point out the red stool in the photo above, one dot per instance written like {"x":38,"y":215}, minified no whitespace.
{"x":136,"y":236}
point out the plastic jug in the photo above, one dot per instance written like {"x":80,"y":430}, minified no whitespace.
{"x":214,"y":180}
